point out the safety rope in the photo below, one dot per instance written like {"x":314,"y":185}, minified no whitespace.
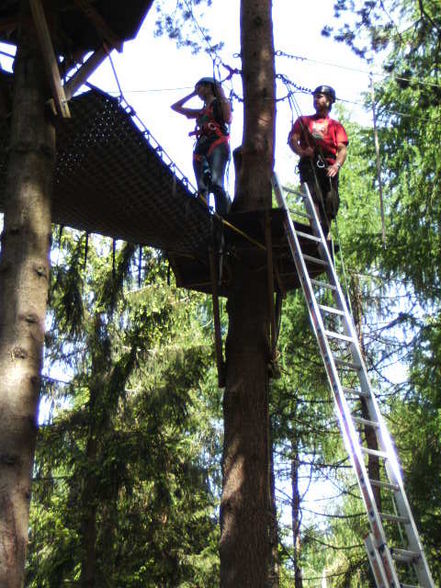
{"x":121,"y":95}
{"x":343,"y":270}
{"x":230,"y":225}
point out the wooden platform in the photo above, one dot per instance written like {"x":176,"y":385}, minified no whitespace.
{"x":113,"y":178}
{"x":192,"y":271}
{"x":82,"y":25}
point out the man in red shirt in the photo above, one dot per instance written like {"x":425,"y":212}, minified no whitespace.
{"x":321,"y":142}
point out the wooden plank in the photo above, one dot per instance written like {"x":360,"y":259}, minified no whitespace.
{"x":7,"y":25}
{"x":100,"y":24}
{"x":49,"y":57}
{"x":81,"y":76}
{"x":217,"y":326}
{"x":270,"y":284}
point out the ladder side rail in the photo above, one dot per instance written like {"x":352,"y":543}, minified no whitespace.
{"x":350,"y":436}
{"x":376,"y":563}
{"x":297,"y":206}
{"x":385,"y":440}
{"x":392,"y":466}
{"x":393,"y":471}
{"x":338,"y":293}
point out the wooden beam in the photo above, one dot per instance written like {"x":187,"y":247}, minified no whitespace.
{"x":5,"y":100}
{"x":85,"y":71}
{"x":279,"y":281}
{"x":100,"y":24}
{"x":270,"y":284}
{"x":217,"y":326}
{"x":49,"y":57}
{"x":7,"y":25}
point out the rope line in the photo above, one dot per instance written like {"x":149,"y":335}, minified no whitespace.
{"x":121,"y":95}
{"x":211,"y":50}
{"x":175,"y":169}
{"x":378,"y":74}
{"x":230,"y":225}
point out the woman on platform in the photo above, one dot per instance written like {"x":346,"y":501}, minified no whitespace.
{"x":212,"y":148}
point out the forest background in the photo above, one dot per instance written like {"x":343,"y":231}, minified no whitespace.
{"x":127,"y":476}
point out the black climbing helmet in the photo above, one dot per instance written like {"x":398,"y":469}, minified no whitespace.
{"x":327,"y":90}
{"x":211,"y":81}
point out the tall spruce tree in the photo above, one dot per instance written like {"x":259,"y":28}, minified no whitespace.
{"x":245,"y":544}
{"x":125,"y":476}
{"x":24,"y":283}
{"x":408,"y":104}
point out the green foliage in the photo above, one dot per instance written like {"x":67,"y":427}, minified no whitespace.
{"x":180,"y":22}
{"x":406,"y":33}
{"x":134,"y":443}
{"x":127,"y":465}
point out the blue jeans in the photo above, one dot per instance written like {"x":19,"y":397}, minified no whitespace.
{"x":209,"y":167}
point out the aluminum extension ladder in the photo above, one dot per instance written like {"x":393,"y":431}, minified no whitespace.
{"x":392,"y":566}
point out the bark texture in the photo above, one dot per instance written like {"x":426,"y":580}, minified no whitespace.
{"x":373,"y":466}
{"x":296,"y":513}
{"x":245,"y":545}
{"x":258,"y":77}
{"x":24,"y":279}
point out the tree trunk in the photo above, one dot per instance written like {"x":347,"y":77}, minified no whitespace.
{"x":245,"y":544}
{"x":24,"y":281}
{"x":295,"y":509}
{"x":274,"y":532}
{"x":89,"y":502}
{"x":258,"y":77}
{"x":99,"y":423}
{"x":370,"y":435}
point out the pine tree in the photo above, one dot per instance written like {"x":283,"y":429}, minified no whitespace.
{"x":124,"y":469}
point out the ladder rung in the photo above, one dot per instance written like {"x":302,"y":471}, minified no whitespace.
{"x":323,"y":284}
{"x":302,"y":214}
{"x":395,"y":518}
{"x":366,"y":422}
{"x":375,"y":452}
{"x":381,"y":557}
{"x":409,"y":586}
{"x":404,"y":555}
{"x":331,"y":309}
{"x":386,"y":485}
{"x":316,"y":260}
{"x":359,"y":393}
{"x":292,"y":191}
{"x":335,"y":335}
{"x":347,"y":364}
{"x":308,"y":236}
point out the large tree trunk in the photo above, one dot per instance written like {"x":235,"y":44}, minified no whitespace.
{"x":24,"y":280}
{"x":89,"y":501}
{"x":295,"y":509}
{"x":374,"y":468}
{"x":245,"y":545}
{"x":274,"y":531}
{"x":99,"y":423}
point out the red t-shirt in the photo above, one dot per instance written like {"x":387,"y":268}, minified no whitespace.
{"x":327,"y":133}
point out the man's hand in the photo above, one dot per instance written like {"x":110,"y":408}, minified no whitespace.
{"x":333,"y":170}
